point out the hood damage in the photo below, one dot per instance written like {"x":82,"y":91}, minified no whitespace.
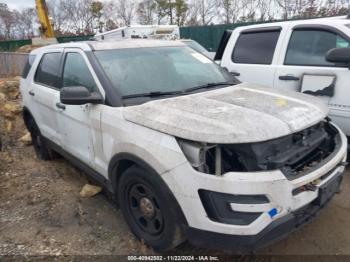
{"x":243,"y":113}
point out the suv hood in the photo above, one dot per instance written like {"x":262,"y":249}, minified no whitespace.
{"x":242,"y":113}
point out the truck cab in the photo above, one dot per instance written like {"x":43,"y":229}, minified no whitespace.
{"x":292,"y":56}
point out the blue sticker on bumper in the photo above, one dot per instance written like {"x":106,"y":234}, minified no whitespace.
{"x":273,"y":212}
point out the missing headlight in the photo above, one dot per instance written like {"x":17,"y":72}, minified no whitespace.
{"x":294,"y":154}
{"x":196,"y":154}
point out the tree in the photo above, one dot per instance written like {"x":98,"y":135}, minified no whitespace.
{"x":96,"y":11}
{"x":126,"y":11}
{"x":8,"y":21}
{"x":207,"y":10}
{"x":26,"y":22}
{"x":110,"y":25}
{"x":230,"y":10}
{"x":146,"y":11}
{"x":78,"y":18}
{"x":181,"y":9}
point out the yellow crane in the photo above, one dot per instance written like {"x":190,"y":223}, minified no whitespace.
{"x":46,"y":28}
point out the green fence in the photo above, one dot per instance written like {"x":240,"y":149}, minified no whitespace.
{"x":13,"y":45}
{"x":208,"y":36}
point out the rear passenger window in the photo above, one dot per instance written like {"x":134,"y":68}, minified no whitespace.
{"x":309,"y":47}
{"x":77,"y":73}
{"x":28,"y":66}
{"x":48,"y":70}
{"x":255,"y":47}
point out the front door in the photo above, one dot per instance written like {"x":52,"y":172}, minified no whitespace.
{"x":303,"y":68}
{"x":78,"y":119}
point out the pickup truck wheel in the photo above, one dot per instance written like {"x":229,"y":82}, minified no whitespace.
{"x":41,"y":150}
{"x":143,"y":199}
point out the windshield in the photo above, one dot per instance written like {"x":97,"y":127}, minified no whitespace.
{"x":194,"y":45}
{"x":161,"y":69}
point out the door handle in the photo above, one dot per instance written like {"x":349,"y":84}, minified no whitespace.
{"x":31,"y":92}
{"x":289,"y":78}
{"x":235,"y":73}
{"x":60,"y":106}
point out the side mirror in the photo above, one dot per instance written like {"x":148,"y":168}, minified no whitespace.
{"x":339,"y":55}
{"x":79,"y":95}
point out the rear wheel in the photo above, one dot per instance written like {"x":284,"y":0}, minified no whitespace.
{"x":147,"y":208}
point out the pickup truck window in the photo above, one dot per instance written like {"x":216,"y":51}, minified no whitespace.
{"x":48,"y":70}
{"x":255,"y":47}
{"x":309,"y":47}
{"x":161,"y":69}
{"x":28,"y":66}
{"x":77,"y":73}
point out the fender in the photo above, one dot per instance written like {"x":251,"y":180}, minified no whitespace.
{"x":113,"y":166}
{"x":114,"y":177}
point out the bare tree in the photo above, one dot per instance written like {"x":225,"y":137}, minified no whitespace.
{"x":7,"y":20}
{"x":265,"y":9}
{"x":26,"y":22}
{"x":146,"y":11}
{"x":207,"y":11}
{"x":78,"y":18}
{"x":126,"y":11}
{"x":230,"y":10}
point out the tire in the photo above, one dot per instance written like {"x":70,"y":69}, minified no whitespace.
{"x":149,"y":209}
{"x":41,"y":149}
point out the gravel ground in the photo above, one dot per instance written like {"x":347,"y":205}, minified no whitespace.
{"x":41,"y":213}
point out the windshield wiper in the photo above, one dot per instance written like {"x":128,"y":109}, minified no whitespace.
{"x":179,"y":92}
{"x":153,"y":94}
{"x":208,"y":85}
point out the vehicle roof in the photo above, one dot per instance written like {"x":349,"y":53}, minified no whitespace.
{"x":110,"y":44}
{"x":336,"y":20}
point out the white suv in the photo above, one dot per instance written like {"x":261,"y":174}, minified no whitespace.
{"x":187,"y":151}
{"x":309,"y":56}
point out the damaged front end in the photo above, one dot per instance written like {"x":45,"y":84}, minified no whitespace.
{"x":295,"y":154}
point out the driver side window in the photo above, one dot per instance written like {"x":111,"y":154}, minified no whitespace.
{"x":77,"y":73}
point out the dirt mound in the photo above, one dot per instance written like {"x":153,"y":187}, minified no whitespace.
{"x":10,"y":110}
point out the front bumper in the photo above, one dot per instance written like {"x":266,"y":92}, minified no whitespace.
{"x":277,"y":230}
{"x":185,"y":183}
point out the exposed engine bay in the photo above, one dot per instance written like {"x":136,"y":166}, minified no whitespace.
{"x":294,"y":154}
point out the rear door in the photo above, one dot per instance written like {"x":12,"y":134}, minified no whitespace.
{"x":45,"y":94}
{"x":250,"y":54}
{"x":303,"y":67}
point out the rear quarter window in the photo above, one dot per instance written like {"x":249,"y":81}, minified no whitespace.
{"x":48,"y":70}
{"x":28,"y":66}
{"x":255,"y":47}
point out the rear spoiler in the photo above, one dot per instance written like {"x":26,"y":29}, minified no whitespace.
{"x":223,"y":42}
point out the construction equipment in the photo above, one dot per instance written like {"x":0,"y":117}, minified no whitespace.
{"x":46,"y":28}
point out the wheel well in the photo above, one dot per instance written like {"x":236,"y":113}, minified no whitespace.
{"x":26,"y":117}
{"x":122,"y":162}
{"x":120,"y":168}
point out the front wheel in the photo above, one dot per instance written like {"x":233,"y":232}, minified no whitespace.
{"x":147,"y":208}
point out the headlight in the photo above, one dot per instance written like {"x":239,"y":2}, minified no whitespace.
{"x":196,"y":154}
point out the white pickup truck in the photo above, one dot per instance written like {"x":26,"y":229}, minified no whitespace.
{"x":309,"y":56}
